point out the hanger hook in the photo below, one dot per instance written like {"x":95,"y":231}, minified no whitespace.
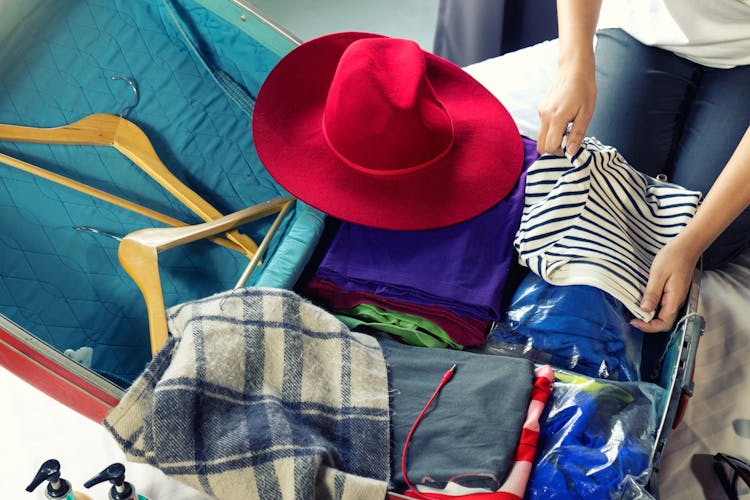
{"x":97,"y":231}
{"x":134,"y":86}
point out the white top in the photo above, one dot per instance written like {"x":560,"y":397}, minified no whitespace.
{"x":713,"y":33}
{"x":591,"y":219}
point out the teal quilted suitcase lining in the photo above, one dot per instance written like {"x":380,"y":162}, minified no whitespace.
{"x":196,"y":76}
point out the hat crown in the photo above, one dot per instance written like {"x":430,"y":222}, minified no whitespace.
{"x":382,"y":115}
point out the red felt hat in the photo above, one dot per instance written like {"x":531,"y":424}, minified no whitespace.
{"x":376,"y":131}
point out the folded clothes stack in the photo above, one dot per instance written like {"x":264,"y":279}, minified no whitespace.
{"x":446,"y":277}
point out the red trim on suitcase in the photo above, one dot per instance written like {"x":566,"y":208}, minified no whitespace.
{"x":54,"y":379}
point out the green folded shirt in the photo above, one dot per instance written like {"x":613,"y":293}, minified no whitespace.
{"x":412,"y":329}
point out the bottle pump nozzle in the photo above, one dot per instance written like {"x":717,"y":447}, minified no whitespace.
{"x":115,"y":474}
{"x":50,"y":471}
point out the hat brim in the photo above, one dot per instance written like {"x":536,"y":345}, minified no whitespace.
{"x":479,"y":171}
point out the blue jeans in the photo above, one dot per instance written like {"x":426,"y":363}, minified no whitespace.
{"x":668,"y":115}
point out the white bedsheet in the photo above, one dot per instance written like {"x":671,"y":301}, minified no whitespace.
{"x":718,"y":415}
{"x":34,"y":428}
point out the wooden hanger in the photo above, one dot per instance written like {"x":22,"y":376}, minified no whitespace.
{"x":125,"y":136}
{"x":105,"y":196}
{"x":139,"y":255}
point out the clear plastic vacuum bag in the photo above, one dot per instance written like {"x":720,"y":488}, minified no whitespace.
{"x":576,"y":327}
{"x":596,"y":439}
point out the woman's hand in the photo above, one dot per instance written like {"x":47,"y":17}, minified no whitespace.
{"x":570,"y":98}
{"x":668,"y":284}
{"x":672,"y":269}
{"x":572,"y":95}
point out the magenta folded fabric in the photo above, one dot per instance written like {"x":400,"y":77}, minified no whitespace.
{"x":463,"y":330}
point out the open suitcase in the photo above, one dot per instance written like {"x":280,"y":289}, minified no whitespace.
{"x":72,"y":322}
{"x":186,"y":73}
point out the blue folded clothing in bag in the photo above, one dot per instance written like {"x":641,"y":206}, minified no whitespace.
{"x":596,"y":439}
{"x":576,"y":327}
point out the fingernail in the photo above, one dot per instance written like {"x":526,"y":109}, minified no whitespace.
{"x":647,"y":305}
{"x":572,"y":147}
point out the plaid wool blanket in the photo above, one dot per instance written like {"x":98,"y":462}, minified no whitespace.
{"x":260,"y":394}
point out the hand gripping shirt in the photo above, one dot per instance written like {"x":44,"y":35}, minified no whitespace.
{"x":592,"y":219}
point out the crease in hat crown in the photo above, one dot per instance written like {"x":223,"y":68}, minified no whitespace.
{"x":382,"y":115}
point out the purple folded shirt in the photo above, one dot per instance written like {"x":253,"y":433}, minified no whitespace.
{"x":462,"y":268}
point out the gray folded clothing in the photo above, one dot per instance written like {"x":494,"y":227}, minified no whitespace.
{"x":471,"y":432}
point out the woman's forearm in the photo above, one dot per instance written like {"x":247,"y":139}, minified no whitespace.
{"x":576,"y":24}
{"x":571,"y":96}
{"x":727,"y":198}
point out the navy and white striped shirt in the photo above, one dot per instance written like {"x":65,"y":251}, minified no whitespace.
{"x":591,"y":219}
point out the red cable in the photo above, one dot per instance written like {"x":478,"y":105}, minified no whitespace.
{"x":444,"y":381}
